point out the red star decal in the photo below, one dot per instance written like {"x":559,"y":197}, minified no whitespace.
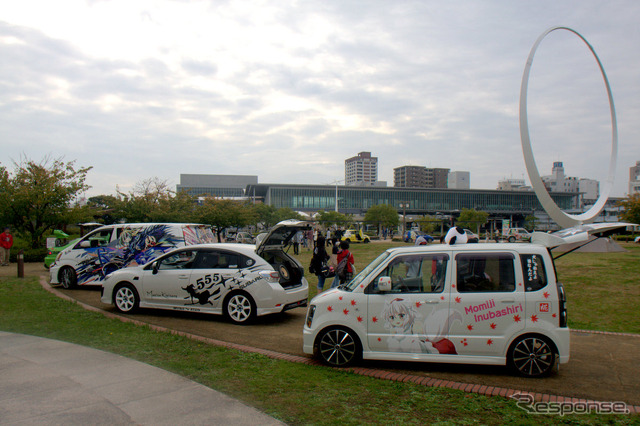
{"x":546,"y":294}
{"x":489,"y":342}
{"x":330,"y":308}
{"x":340,"y":298}
{"x":453,"y":286}
{"x":493,"y":326}
{"x":554,"y":315}
{"x":353,"y":303}
{"x":517,"y":318}
{"x":464,"y":342}
{"x":379,"y":339}
{"x":458,"y":300}
{"x":345,"y":311}
{"x":441,"y":297}
{"x":359,"y":319}
{"x":470,"y":327}
{"x":374,"y":319}
{"x":418,"y":304}
{"x":534,"y":318}
{"x":361,"y":285}
{"x":519,"y":284}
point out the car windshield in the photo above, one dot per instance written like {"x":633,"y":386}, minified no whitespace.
{"x":358,"y":279}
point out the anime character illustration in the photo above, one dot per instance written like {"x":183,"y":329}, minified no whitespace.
{"x":410,"y":332}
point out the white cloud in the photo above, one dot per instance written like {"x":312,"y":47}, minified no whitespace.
{"x":287,"y":91}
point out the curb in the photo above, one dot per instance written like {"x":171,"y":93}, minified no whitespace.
{"x":363,"y":371}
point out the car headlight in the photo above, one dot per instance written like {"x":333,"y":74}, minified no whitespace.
{"x":310,"y":313}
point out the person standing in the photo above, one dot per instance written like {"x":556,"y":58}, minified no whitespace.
{"x":319,"y":261}
{"x":6,"y":242}
{"x":344,"y":253}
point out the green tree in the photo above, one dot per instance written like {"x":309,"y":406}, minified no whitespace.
{"x":37,"y":197}
{"x":472,"y":219}
{"x":630,"y":209}
{"x":330,"y":218}
{"x":382,"y":215}
{"x":223,"y":214}
{"x":530,"y":222}
{"x":429,"y":224}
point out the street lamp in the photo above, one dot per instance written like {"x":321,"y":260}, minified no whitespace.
{"x":404,"y":206}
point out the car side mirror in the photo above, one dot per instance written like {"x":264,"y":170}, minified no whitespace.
{"x":85,"y":244}
{"x":384,"y":284}
{"x":155,"y":266}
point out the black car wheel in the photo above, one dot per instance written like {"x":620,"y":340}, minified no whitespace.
{"x":68,"y":277}
{"x":126,"y":299}
{"x":532,"y":356}
{"x":338,"y":347}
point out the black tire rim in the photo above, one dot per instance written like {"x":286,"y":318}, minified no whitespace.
{"x":337,"y":347}
{"x":532,"y":356}
{"x":67,"y":278}
{"x":125,"y":299}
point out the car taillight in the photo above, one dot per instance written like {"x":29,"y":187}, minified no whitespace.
{"x":270,"y":276}
{"x":563,"y":305}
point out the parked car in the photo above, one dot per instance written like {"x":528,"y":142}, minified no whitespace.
{"x":55,"y":244}
{"x":241,"y":281}
{"x":467,"y":303}
{"x":517,"y":234}
{"x":244,"y":238}
{"x":471,"y":236}
{"x":355,"y":236}
{"x":411,"y":236}
{"x":91,"y":258}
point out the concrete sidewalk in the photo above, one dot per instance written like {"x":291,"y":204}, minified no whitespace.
{"x":44,"y":381}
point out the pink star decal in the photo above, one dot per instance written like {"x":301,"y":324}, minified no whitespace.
{"x":493,"y":326}
{"x":330,"y":308}
{"x":546,"y":294}
{"x":490,"y":342}
{"x":517,"y":318}
{"x":534,"y":318}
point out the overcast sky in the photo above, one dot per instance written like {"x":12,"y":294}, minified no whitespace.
{"x":288,"y":90}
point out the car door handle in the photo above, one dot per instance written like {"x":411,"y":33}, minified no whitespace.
{"x":508,"y":301}
{"x":183,"y":277}
{"x":431,"y":302}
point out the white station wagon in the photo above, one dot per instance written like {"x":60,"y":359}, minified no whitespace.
{"x":241,"y":281}
{"x":470,"y":303}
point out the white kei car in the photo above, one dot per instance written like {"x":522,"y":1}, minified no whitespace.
{"x":241,"y":281}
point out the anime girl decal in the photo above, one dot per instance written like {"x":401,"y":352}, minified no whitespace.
{"x":410,"y":332}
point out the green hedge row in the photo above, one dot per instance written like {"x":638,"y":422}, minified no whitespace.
{"x":30,"y":255}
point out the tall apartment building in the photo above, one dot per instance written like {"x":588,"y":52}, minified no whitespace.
{"x":420,"y":177}
{"x":410,"y":177}
{"x":459,"y":180}
{"x":361,"y":170}
{"x":634,"y":179}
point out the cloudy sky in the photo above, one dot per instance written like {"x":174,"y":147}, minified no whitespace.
{"x":287,"y":90}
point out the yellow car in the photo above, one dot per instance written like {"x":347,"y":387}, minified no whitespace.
{"x":355,"y":236}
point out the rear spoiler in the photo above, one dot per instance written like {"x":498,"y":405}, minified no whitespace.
{"x":576,"y":234}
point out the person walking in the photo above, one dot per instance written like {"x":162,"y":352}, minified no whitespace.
{"x":319,"y":261}
{"x":6,"y":242}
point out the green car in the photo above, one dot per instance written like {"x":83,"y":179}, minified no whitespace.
{"x":59,"y":245}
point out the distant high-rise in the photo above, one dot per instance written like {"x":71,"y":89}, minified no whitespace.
{"x":361,"y":170}
{"x":420,"y":177}
{"x":459,"y":180}
{"x":634,"y":179}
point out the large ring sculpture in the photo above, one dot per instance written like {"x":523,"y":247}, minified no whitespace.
{"x":561,"y":218}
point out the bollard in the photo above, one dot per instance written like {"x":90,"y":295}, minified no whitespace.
{"x":21,"y":264}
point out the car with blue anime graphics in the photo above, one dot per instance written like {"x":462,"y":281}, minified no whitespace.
{"x":240,"y":281}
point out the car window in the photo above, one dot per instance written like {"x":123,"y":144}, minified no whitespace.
{"x":417,"y":273}
{"x":533,"y":271}
{"x":178,"y":260}
{"x":212,"y":259}
{"x":485,"y":272}
{"x":98,"y":238}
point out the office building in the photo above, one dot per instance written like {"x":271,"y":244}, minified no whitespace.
{"x":634,"y":179}
{"x":361,"y":170}
{"x":459,"y":180}
{"x":221,"y":186}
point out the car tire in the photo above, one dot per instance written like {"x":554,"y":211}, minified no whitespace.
{"x":348,"y":240}
{"x":126,"y":299}
{"x":68,"y":277}
{"x":240,"y":308}
{"x":512,"y":239}
{"x":532,"y":356}
{"x":366,"y":240}
{"x":338,"y":347}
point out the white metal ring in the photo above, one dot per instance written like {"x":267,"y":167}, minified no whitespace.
{"x":561,"y":218}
